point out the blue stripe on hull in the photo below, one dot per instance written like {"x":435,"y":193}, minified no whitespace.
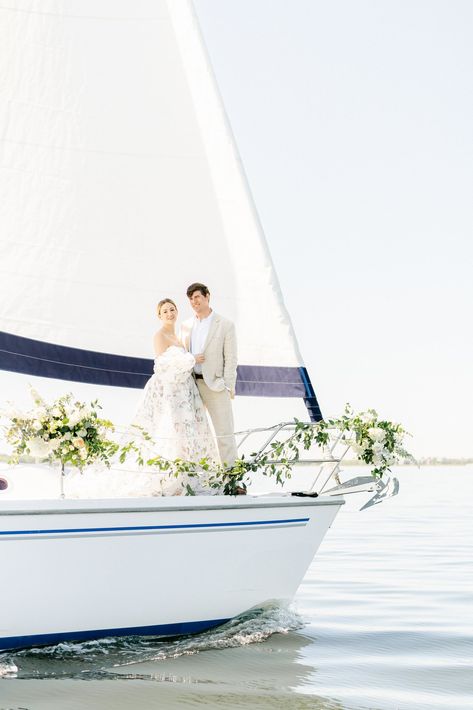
{"x":189,"y":627}
{"x":150,"y":528}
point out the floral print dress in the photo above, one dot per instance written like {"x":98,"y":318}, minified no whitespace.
{"x":171,"y":411}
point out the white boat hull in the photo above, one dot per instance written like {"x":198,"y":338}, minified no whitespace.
{"x":164,"y":566}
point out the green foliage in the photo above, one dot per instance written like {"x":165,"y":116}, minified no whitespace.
{"x":378,"y":443}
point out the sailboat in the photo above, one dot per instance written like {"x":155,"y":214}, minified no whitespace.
{"x":121,"y":185}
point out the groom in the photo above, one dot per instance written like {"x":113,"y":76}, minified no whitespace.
{"x":212,"y":340}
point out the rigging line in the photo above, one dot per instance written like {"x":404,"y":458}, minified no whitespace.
{"x":71,"y":364}
{"x":269,"y":382}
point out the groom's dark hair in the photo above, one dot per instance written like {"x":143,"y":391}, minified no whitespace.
{"x":197,"y":287}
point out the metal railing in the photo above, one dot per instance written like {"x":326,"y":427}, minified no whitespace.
{"x":327,"y":464}
{"x":326,"y":478}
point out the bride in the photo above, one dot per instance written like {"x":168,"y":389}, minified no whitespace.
{"x":172,"y":413}
{"x":171,"y":410}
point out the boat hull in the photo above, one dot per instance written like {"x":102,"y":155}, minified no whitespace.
{"x":90,"y":569}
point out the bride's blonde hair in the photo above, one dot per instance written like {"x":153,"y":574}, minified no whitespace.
{"x":161,"y":304}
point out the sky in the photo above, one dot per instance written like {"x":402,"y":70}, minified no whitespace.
{"x":353,"y":122}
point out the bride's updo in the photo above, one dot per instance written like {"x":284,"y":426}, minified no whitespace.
{"x":161,"y":304}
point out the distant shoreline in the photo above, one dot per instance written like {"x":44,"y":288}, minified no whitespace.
{"x":426,"y":461}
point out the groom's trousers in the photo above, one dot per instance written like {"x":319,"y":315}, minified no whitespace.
{"x":219,"y":407}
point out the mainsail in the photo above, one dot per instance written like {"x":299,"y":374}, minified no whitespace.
{"x":121,"y":184}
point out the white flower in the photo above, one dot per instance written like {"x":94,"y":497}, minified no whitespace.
{"x":37,"y":425}
{"x":357,"y":448}
{"x":86,"y":411}
{"x":377,"y":434}
{"x":39,"y":448}
{"x":74,"y":417}
{"x":82,"y":432}
{"x":56,"y":412}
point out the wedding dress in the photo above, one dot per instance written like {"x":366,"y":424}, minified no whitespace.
{"x":171,"y":411}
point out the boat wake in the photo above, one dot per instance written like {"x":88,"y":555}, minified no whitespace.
{"x":104,"y":658}
{"x":8,"y":669}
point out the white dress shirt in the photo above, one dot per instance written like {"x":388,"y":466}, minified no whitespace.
{"x":200,"y":331}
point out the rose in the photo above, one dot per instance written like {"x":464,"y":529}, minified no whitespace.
{"x":377,"y":434}
{"x":74,"y":418}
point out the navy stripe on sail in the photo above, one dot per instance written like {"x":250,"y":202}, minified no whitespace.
{"x":263,"y":381}
{"x":277,"y":381}
{"x":35,"y":357}
{"x":310,"y":399}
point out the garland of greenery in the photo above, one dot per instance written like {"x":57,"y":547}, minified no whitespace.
{"x":72,"y":432}
{"x":378,"y":443}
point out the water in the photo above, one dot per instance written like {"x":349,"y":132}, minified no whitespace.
{"x":382,"y":621}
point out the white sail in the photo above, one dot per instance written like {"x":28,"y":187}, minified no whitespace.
{"x":121,"y":184}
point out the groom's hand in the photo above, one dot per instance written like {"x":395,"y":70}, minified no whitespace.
{"x":200,"y":358}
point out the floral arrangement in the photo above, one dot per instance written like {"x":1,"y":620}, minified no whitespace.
{"x":66,"y":430}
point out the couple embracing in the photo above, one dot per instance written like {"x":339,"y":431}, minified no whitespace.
{"x":194,"y":373}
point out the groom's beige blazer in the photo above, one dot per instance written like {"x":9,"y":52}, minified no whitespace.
{"x":219,"y":368}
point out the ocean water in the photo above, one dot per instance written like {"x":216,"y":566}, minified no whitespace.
{"x":382,"y":621}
